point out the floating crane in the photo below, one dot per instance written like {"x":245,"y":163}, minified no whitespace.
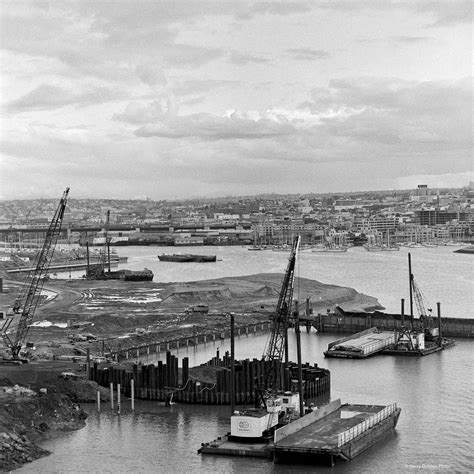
{"x":424,"y":312}
{"x":97,"y":271}
{"x":277,"y":345}
{"x":270,"y":406}
{"x":25,"y":305}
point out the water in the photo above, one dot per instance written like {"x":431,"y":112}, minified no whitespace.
{"x":443,"y":275}
{"x":434,"y":432}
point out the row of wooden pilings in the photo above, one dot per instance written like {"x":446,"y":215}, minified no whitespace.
{"x":135,"y":352}
{"x":163,"y":381}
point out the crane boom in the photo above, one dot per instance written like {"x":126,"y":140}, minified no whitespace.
{"x":276,"y":346}
{"x":424,"y":313}
{"x":26,"y":303}
{"x":105,"y":248}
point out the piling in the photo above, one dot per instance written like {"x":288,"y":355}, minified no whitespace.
{"x":402,"y":311}
{"x":440,"y":335}
{"x":98,"y":400}
{"x":300,"y":371}
{"x":411,"y":290}
{"x":112,"y":395}
{"x":118,"y":398}
{"x":232,"y":365}
{"x":132,"y":393}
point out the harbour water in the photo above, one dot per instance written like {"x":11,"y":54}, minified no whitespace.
{"x":434,"y":433}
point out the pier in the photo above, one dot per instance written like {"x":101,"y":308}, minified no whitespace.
{"x":137,"y":352}
{"x":349,"y":322}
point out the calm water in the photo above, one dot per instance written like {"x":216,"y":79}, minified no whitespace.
{"x":434,"y":433}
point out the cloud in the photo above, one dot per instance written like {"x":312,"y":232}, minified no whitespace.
{"x":151,"y":74}
{"x":48,"y":97}
{"x":198,"y":86}
{"x":421,"y":114}
{"x":242,"y":59}
{"x":308,"y":54}
{"x":190,"y":55}
{"x":139,"y":113}
{"x":447,"y":13}
{"x":212,"y":127}
{"x":411,"y":39}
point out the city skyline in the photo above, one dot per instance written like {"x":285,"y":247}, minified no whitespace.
{"x":163,"y":100}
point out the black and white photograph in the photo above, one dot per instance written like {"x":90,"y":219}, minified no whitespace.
{"x":236,"y":236}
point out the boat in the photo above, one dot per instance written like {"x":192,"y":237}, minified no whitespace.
{"x":337,"y":248}
{"x":137,"y":275}
{"x":97,"y":272}
{"x":186,"y":258}
{"x":469,"y":250}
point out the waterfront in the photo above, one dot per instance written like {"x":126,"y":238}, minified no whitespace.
{"x":434,"y":432}
{"x":443,"y":275}
{"x":435,"y":426}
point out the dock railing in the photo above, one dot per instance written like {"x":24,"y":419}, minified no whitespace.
{"x":356,"y":430}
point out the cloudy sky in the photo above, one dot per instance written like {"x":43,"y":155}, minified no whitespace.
{"x":127,"y":99}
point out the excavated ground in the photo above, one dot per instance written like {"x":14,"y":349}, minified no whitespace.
{"x":116,"y":309}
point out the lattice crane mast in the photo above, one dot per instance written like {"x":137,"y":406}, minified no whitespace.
{"x":26,"y":303}
{"x":105,"y":248}
{"x":424,"y":313}
{"x":275,"y":349}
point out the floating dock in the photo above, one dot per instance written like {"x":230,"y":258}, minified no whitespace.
{"x":361,"y":345}
{"x":332,"y":433}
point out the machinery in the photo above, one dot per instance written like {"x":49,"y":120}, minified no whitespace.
{"x":277,"y":346}
{"x":424,"y":312}
{"x":24,"y":308}
{"x":271,"y":405}
{"x":97,"y":271}
{"x":408,"y":338}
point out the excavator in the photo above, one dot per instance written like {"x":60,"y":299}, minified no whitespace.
{"x":17,"y":323}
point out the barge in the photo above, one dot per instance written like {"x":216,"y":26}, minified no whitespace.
{"x":186,"y":258}
{"x":330,"y":434}
{"x":361,"y":345}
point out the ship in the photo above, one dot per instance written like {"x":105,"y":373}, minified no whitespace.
{"x":469,"y":250}
{"x":186,"y":258}
{"x":96,"y":272}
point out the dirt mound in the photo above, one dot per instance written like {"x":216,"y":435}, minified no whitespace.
{"x":204,"y":295}
{"x":26,"y":419}
{"x":266,"y":291}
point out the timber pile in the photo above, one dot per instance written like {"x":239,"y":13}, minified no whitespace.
{"x":162,"y":381}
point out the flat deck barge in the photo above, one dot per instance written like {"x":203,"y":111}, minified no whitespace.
{"x":330,"y":434}
{"x":361,"y":345}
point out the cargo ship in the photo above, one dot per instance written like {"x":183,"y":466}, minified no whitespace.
{"x":186,"y":258}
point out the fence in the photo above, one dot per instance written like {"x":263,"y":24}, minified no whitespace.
{"x":356,"y":430}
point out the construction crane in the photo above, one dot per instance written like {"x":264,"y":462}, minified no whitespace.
{"x":104,"y":254}
{"x":424,"y":312}
{"x":25,"y":304}
{"x":277,"y":345}
{"x":97,"y":271}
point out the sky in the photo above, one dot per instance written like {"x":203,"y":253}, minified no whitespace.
{"x":170,"y":100}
